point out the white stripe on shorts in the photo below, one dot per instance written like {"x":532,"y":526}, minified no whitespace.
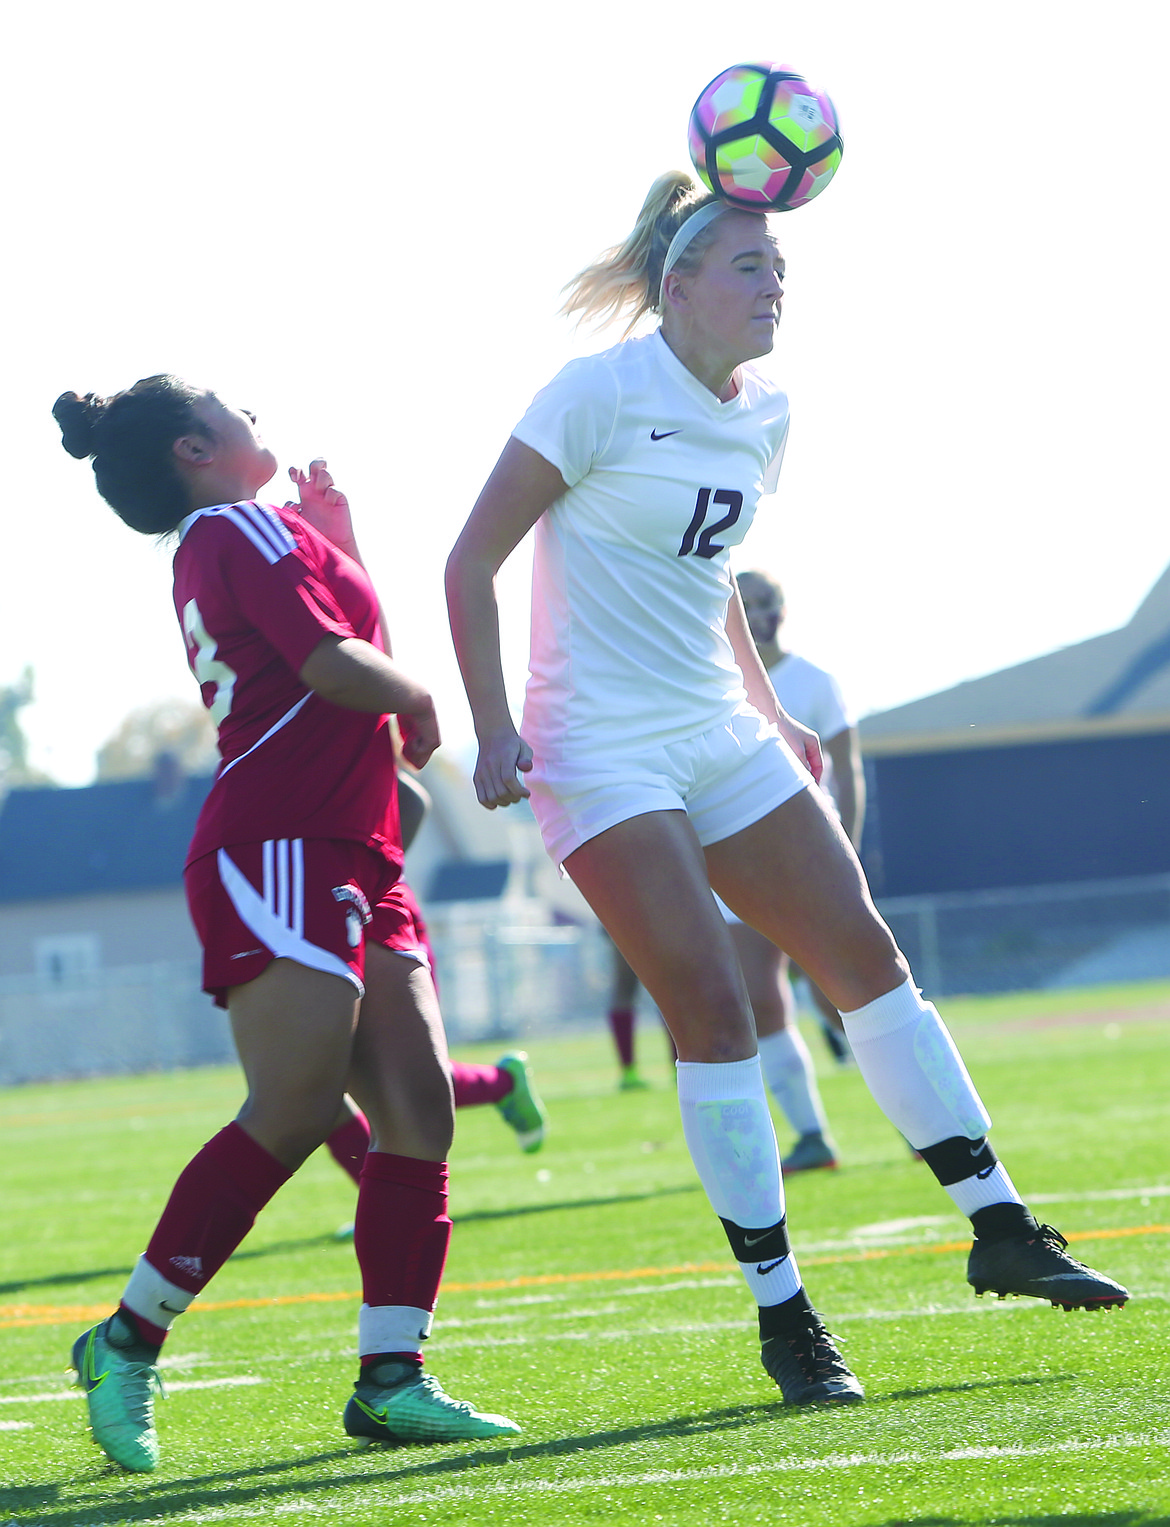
{"x":257,"y":911}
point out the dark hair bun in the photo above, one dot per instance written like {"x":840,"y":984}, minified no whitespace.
{"x":77,"y":417}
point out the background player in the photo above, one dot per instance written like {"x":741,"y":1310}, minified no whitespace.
{"x":814,"y":697}
{"x":291,"y":880}
{"x":661,"y":766}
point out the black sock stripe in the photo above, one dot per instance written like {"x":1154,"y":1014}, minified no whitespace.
{"x":958,"y":1158}
{"x":769,"y":1245}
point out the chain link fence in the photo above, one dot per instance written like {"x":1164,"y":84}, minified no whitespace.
{"x":504,"y":974}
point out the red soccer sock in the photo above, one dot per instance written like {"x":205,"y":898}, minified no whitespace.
{"x":211,"y":1209}
{"x":402,"y":1230}
{"x":349,"y":1144}
{"x":479,"y":1084}
{"x":621,"y":1026}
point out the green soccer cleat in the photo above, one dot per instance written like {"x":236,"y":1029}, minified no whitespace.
{"x":522,"y":1108}
{"x":632,"y":1080}
{"x":417,"y":1410}
{"x":119,"y":1391}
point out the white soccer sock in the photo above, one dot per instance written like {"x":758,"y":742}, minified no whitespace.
{"x":910,"y":1064}
{"x":983,"y":1189}
{"x":729,"y":1134}
{"x":154,"y":1297}
{"x":788,"y":1071}
{"x":392,"y":1328}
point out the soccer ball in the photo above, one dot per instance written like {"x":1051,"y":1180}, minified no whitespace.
{"x":763,"y":139}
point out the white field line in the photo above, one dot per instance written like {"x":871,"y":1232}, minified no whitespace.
{"x":700,"y":1327}
{"x":14,"y":1426}
{"x":236,"y":1381}
{"x":438,"y":1495}
{"x":1105,"y":1195}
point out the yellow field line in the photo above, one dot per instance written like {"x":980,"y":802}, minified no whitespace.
{"x":71,"y":1314}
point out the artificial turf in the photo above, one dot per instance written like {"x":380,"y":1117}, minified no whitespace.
{"x":590,"y":1295}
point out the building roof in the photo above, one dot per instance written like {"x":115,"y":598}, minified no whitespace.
{"x":123,"y":835}
{"x":1116,"y":683}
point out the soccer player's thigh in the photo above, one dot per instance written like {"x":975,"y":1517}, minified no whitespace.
{"x":794,"y":877}
{"x":399,"y":1073}
{"x":647,"y":881}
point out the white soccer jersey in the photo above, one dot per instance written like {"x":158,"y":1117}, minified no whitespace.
{"x":811,"y":695}
{"x":631,"y":576}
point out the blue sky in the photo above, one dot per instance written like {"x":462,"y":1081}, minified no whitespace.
{"x":358,"y":224}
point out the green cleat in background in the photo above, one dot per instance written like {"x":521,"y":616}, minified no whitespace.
{"x":522,"y":1108}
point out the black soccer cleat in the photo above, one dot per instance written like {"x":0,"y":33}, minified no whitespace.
{"x":1036,"y":1264}
{"x":807,"y":1366}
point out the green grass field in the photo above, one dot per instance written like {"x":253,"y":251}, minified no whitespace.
{"x":590,"y":1295}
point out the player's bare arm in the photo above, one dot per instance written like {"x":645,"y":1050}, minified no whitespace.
{"x":327,"y":509}
{"x":352,"y":673}
{"x":521,"y":487}
{"x":803,"y":742}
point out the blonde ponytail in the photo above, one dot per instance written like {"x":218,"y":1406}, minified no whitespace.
{"x":625,"y":280}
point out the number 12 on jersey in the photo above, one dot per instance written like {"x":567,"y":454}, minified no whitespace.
{"x":728,"y":498}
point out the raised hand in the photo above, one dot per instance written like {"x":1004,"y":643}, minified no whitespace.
{"x":325,"y":507}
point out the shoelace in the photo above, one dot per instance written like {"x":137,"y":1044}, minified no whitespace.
{"x":813,"y":1349}
{"x":1049,"y":1236}
{"x":154,"y":1386}
{"x":436,"y":1391}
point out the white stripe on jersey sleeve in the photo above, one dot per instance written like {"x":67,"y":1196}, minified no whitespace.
{"x":269,"y":523}
{"x":256,"y":536}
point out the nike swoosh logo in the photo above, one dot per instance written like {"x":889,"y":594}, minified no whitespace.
{"x":986,"y":1172}
{"x":749,"y":1240}
{"x":163,"y":1305}
{"x":976,"y":1149}
{"x":771,"y":1267}
{"x":664,"y":434}
{"x":89,"y":1377}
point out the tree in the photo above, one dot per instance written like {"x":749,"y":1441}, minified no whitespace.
{"x":15,"y":768}
{"x":179,"y":728}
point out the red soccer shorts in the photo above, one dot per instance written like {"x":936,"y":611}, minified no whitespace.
{"x":317,"y":901}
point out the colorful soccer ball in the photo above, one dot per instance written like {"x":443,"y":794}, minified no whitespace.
{"x":763,"y":139}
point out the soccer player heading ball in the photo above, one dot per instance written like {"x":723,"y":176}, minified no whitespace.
{"x":661,"y":766}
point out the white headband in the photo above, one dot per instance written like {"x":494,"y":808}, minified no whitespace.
{"x":688,"y":230}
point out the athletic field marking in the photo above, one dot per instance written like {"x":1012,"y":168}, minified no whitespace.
{"x":438,"y":1495}
{"x":236,"y":1381}
{"x":15,"y":1426}
{"x":1104,"y":1195}
{"x":68,"y":1314}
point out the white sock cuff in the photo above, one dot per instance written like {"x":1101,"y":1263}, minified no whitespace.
{"x":719,"y":1081}
{"x":392,"y":1328}
{"x":887,"y":1013}
{"x":980,"y":1193}
{"x":154,"y":1297}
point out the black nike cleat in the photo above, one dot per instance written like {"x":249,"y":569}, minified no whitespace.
{"x":807,"y":1366}
{"x":1038,"y":1266}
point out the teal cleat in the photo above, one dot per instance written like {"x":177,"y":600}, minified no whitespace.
{"x":119,"y":1391}
{"x":417,"y":1410}
{"x":522,"y":1108}
{"x":631,"y":1080}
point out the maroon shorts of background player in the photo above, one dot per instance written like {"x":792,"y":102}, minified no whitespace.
{"x":317,"y":901}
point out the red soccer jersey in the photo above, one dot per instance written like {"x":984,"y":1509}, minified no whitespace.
{"x":256,"y":589}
